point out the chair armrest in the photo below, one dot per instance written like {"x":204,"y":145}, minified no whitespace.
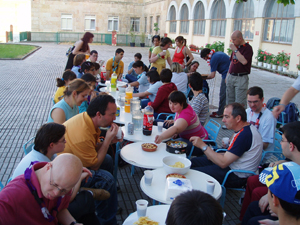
{"x":222,"y":150}
{"x":239,"y":171}
{"x":168,"y":114}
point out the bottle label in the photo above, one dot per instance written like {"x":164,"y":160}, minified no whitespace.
{"x":148,"y":121}
{"x":127,"y":101}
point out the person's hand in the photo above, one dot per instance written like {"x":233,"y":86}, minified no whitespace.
{"x":223,"y":144}
{"x":277,"y":110}
{"x":115,"y":140}
{"x":197,"y":141}
{"x":232,"y":47}
{"x":86,"y":173}
{"x":162,"y":53}
{"x":112,"y":132}
{"x":269,"y":222}
{"x":272,"y":164}
{"x":168,"y":122}
{"x":272,"y":213}
{"x":158,"y":139}
{"x":174,"y":136}
{"x":263,"y":203}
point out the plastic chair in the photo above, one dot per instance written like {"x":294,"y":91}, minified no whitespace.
{"x":169,"y":115}
{"x":1,"y":186}
{"x":27,"y":147}
{"x":187,"y":91}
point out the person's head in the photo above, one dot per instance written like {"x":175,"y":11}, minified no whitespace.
{"x":156,"y":40}
{"x":195,"y":208}
{"x":177,"y":101}
{"x":139,"y":67}
{"x":193,"y":67}
{"x":255,"y":98}
{"x":196,"y":81}
{"x":119,"y":54}
{"x":180,"y":41}
{"x":234,"y":115}
{"x":90,"y":80}
{"x":93,"y":56}
{"x":152,"y":77}
{"x":137,"y":57}
{"x":176,"y":67}
{"x":237,"y":38}
{"x":284,"y":190}
{"x":204,"y":53}
{"x":166,"y":75}
{"x":102,"y":109}
{"x":88,"y":67}
{"x":290,"y":142}
{"x":165,"y":43}
{"x":78,"y":90}
{"x":50,"y":137}
{"x":79,"y":59}
{"x":87,"y":38}
{"x":97,"y":68}
{"x":57,"y":178}
{"x":67,"y":76}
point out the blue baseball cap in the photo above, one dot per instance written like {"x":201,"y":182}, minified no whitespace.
{"x":284,"y":181}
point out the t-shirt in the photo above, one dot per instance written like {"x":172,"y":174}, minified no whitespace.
{"x":220,"y":62}
{"x":153,"y":88}
{"x":161,"y":61}
{"x":200,"y":105}
{"x":247,"y":145}
{"x":18,"y":205}
{"x":133,"y":73}
{"x":236,"y":66}
{"x":59,"y":94}
{"x":181,"y":81}
{"x":143,"y":82}
{"x":194,"y":126}
{"x":119,"y":67}
{"x":296,"y":84}
{"x":69,"y":112}
{"x":76,"y":69}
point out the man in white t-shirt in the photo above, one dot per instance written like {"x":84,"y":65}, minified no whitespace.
{"x":261,"y":117}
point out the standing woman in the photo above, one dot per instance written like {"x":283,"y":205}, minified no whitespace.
{"x":155,"y":41}
{"x":160,"y":55}
{"x":80,"y":47}
{"x":181,"y":52}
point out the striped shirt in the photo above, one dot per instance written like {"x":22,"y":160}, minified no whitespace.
{"x":199,"y":104}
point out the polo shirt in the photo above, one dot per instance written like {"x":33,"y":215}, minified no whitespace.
{"x":119,"y":69}
{"x":220,"y":62}
{"x":153,"y":89}
{"x":236,"y":66}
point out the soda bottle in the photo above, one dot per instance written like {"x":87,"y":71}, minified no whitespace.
{"x":148,"y":120}
{"x":128,"y":97}
{"x":113,"y":81}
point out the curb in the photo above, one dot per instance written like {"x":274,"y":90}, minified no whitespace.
{"x":25,"y":56}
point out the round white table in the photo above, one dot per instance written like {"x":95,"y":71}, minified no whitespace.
{"x":138,"y":134}
{"x":136,"y":156}
{"x":157,"y":189}
{"x":157,"y":213}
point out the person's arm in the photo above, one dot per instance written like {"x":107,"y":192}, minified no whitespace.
{"x":272,"y":164}
{"x":134,"y":84}
{"x":130,"y":68}
{"x":85,"y":174}
{"x":149,"y":55}
{"x":155,"y":57}
{"x":209,"y":76}
{"x":142,"y":94}
{"x":239,"y":56}
{"x":108,"y":69}
{"x":188,"y":52}
{"x":169,"y":60}
{"x":65,"y":218}
{"x":269,"y":222}
{"x":265,"y":145}
{"x":78,"y":46}
{"x":58,"y":115}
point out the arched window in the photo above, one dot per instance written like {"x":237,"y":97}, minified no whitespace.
{"x":172,"y":18}
{"x":244,"y":19}
{"x":199,"y":21}
{"x":218,"y":20}
{"x":279,"y":22}
{"x":184,"y":19}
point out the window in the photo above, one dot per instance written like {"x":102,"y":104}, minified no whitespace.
{"x":145,"y":31}
{"x":151,"y":24}
{"x":218,"y":21}
{"x":199,"y":21}
{"x":279,"y":23}
{"x":90,"y":23}
{"x":244,"y":19}
{"x":66,"y":22}
{"x":113,"y":23}
{"x":135,"y":24}
{"x":184,"y":19}
{"x":172,"y":19}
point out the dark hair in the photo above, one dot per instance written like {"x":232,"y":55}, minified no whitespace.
{"x":192,"y":63}
{"x":97,"y":66}
{"x":166,"y":76}
{"x":292,"y":133}
{"x":165,"y":41}
{"x":88,"y":77}
{"x":138,"y":55}
{"x":178,"y":97}
{"x":256,"y":91}
{"x":195,"y":208}
{"x":180,"y":39}
{"x":238,"y":110}
{"x":87,"y":66}
{"x":93,"y":51}
{"x":99,"y":104}
{"x":78,"y":59}
{"x":140,"y":64}
{"x":196,"y":81}
{"x":86,"y":38}
{"x":204,"y":52}
{"x":47,"y":134}
{"x":155,"y":36}
{"x":119,"y":50}
{"x":77,"y":85}
{"x":68,"y":75}
{"x":153,"y":76}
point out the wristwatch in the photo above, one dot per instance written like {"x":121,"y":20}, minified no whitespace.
{"x":204,"y":148}
{"x":236,"y":51}
{"x":74,"y":222}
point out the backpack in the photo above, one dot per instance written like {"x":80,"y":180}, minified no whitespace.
{"x":291,"y":114}
{"x":272,"y":102}
{"x":68,"y":52}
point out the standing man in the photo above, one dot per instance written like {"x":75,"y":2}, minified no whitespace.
{"x":115,"y":64}
{"x":218,"y":61}
{"x":237,"y":80}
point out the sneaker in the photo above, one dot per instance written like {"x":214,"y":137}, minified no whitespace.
{"x":224,"y":127}
{"x":241,"y":198}
{"x":98,"y":194}
{"x":215,"y":115}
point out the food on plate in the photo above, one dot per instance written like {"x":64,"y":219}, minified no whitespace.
{"x":178,"y":165}
{"x":176,"y":175}
{"x":176,"y":144}
{"x":149,"y":147}
{"x":144,"y":220}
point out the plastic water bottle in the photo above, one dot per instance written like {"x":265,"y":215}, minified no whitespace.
{"x":148,"y":120}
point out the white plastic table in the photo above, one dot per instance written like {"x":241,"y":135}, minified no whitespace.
{"x":138,"y":134}
{"x":157,"y":189}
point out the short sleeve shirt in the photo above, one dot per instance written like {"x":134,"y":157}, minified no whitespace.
{"x":133,"y":73}
{"x":220,"y":62}
{"x":161,"y":61}
{"x":143,"y":83}
{"x":153,"y":89}
{"x":119,"y":68}
{"x":236,"y":66}
{"x":59,"y":94}
{"x":296,"y":84}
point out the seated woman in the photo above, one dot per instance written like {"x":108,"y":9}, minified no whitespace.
{"x":142,"y":82}
{"x":161,"y":101}
{"x":78,"y":60}
{"x":87,"y":67}
{"x":76,"y":92}
{"x":91,"y":81}
{"x":67,"y":77}
{"x":186,"y":122}
{"x":179,"y":78}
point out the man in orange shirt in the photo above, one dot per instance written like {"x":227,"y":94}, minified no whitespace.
{"x":115,"y":64}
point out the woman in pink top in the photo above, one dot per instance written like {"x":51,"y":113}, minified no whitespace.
{"x":181,"y":52}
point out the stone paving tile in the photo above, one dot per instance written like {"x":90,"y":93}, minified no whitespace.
{"x":25,"y":96}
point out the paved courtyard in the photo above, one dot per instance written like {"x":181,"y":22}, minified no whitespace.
{"x":25,"y":97}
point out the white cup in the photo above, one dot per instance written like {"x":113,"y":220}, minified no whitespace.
{"x":119,"y":134}
{"x":141,"y":207}
{"x":160,"y":126}
{"x":164,"y":50}
{"x":148,"y":177}
{"x":210,"y":187}
{"x":226,"y":141}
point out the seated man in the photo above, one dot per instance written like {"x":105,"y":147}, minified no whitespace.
{"x":115,"y":64}
{"x":195,"y":208}
{"x":244,"y":152}
{"x":131,"y":74}
{"x":82,"y":137}
{"x":93,"y":56}
{"x":36,"y":197}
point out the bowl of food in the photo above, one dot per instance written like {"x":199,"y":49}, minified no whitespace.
{"x":177,"y":147}
{"x":176,"y":164}
{"x":149,"y":147}
{"x":176,"y":175}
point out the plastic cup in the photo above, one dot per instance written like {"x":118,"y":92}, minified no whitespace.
{"x":160,"y":126}
{"x":148,"y":177}
{"x":141,"y":207}
{"x":226,"y":141}
{"x":119,"y":134}
{"x":210,"y":187}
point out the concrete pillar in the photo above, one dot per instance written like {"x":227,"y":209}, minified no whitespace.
{"x":177,"y":27}
{"x":190,"y":35}
{"x":295,"y":47}
{"x":228,"y":31}
{"x":168,"y":26}
{"x":258,"y":36}
{"x":207,"y":32}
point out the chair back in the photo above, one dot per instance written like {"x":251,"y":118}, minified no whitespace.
{"x":187,"y":91}
{"x":27,"y":147}
{"x":277,"y":145}
{"x":1,"y":186}
{"x":212,"y":127}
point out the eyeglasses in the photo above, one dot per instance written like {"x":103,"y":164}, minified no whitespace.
{"x":62,"y":141}
{"x":253,"y":102}
{"x":283,"y":141}
{"x":62,"y":191}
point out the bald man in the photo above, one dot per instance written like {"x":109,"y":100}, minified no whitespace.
{"x":237,"y":79}
{"x":42,"y":194}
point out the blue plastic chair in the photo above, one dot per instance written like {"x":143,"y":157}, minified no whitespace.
{"x":187,"y":91}
{"x":27,"y":147}
{"x":169,"y":115}
{"x":1,"y":186}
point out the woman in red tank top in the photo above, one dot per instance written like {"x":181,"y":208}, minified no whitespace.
{"x":181,"y":52}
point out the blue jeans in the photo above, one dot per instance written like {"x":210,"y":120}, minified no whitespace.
{"x":144,"y":102}
{"x":196,"y":152}
{"x":102,"y":179}
{"x":222,"y":97}
{"x":130,"y":78}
